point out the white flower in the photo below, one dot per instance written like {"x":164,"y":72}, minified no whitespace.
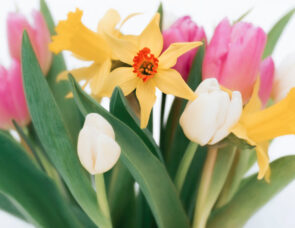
{"x":209,"y":118}
{"x":97,"y":149}
{"x":284,"y":78}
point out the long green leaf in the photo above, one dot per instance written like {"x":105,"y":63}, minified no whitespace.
{"x":275,"y":33}
{"x":7,"y":206}
{"x":32,"y":193}
{"x":54,"y":135}
{"x":60,"y":89}
{"x":254,"y":194}
{"x":146,"y":169}
{"x":120,"y":109}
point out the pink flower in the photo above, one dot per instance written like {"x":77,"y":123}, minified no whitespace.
{"x":12,"y":98}
{"x":234,"y":55}
{"x":38,"y":33}
{"x":266,"y":79}
{"x":184,"y":30}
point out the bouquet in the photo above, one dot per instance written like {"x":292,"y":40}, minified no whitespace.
{"x":67,"y":161}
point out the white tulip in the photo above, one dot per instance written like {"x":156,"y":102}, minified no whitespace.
{"x":284,"y":78}
{"x":97,"y":149}
{"x":209,"y":118}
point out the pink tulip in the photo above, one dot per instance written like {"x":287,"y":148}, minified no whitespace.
{"x":184,"y":30}
{"x":12,"y":98}
{"x":38,"y":33}
{"x":234,"y":55}
{"x":266,"y":79}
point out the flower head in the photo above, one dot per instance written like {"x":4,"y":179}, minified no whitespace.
{"x":148,"y":68}
{"x":209,"y":118}
{"x":97,"y":149}
{"x":183,"y":30}
{"x":233,"y":56}
{"x":38,"y":33}
{"x":13,"y":104}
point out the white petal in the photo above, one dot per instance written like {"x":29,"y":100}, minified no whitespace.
{"x":100,"y":123}
{"x":233,"y":114}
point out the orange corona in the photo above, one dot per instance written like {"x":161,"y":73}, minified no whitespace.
{"x":145,"y":64}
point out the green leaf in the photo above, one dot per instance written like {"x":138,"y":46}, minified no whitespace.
{"x":173,"y":149}
{"x":33,"y":194}
{"x":60,"y":89}
{"x":242,"y":17}
{"x":254,"y":194}
{"x":7,"y":206}
{"x":275,"y":33}
{"x":146,"y":169}
{"x":54,"y":136}
{"x":161,"y":12}
{"x":120,"y":109}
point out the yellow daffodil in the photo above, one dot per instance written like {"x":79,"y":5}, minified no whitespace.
{"x":148,"y":68}
{"x":258,"y":126}
{"x":88,"y":45}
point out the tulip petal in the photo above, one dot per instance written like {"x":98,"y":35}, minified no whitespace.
{"x":266,"y":79}
{"x":170,"y":82}
{"x":73,"y":36}
{"x":145,"y":93}
{"x":151,"y":37}
{"x":122,"y":77}
{"x":169,"y":57}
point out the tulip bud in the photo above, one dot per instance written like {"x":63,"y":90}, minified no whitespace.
{"x":209,"y":118}
{"x":12,"y":98}
{"x":233,"y":56}
{"x":183,"y":30}
{"x":97,"y":149}
{"x":38,"y":33}
{"x":284,"y":78}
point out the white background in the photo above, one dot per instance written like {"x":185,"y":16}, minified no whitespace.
{"x":279,"y":212}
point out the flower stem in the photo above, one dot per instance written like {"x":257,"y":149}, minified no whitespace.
{"x":184,"y":165}
{"x":102,"y":196}
{"x":199,"y":219}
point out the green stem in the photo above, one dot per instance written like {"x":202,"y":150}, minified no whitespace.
{"x":184,"y":165}
{"x":199,"y":219}
{"x":102,"y":196}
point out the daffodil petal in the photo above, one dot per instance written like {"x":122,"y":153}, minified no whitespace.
{"x":109,"y":22}
{"x":151,"y":37}
{"x":170,"y":82}
{"x":262,"y":159}
{"x":169,"y":57}
{"x":123,"y":49}
{"x":128,"y":18}
{"x":83,"y":73}
{"x":122,"y":77}
{"x":145,"y":93}
{"x":73,"y":36}
{"x":97,"y":81}
{"x":254,"y":103}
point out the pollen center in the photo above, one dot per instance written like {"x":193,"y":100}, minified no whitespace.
{"x":145,"y":64}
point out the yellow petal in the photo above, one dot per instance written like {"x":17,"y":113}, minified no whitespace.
{"x":169,"y":57}
{"x":151,"y":37}
{"x":73,"y":36}
{"x":254,"y":103}
{"x":145,"y":93}
{"x":262,"y":159}
{"x":97,"y":81}
{"x":122,"y":77}
{"x":83,"y":73}
{"x":123,"y":49}
{"x":170,"y":82}
{"x":109,"y":22}
{"x":128,"y":18}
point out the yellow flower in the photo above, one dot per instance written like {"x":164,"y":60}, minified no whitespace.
{"x":88,"y":45}
{"x":148,"y":69}
{"x":258,"y":126}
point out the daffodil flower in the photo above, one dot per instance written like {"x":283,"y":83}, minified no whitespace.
{"x":258,"y":126}
{"x":88,"y":45}
{"x":148,"y":68}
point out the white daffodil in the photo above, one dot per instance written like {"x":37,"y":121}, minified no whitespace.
{"x":97,"y":149}
{"x":209,"y":118}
